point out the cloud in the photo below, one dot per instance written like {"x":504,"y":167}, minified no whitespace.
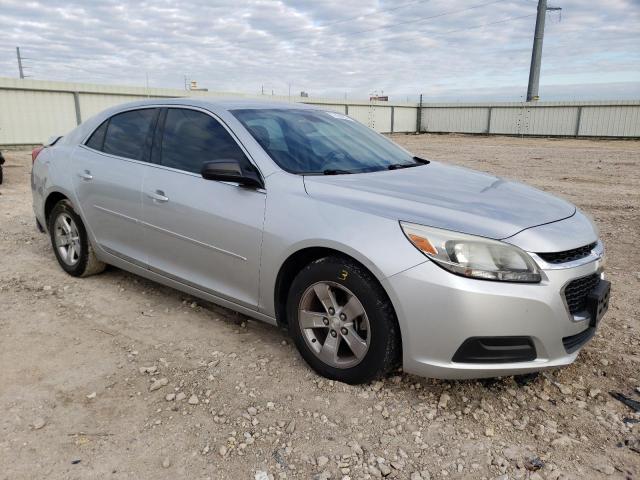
{"x":444,"y":49}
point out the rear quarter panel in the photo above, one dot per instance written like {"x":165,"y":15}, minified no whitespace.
{"x":52,"y":173}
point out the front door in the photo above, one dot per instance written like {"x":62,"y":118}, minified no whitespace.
{"x":203,"y":233}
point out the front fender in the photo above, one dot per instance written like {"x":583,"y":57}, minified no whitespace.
{"x":295,"y":221}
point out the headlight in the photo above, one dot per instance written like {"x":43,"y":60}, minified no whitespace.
{"x":472,"y":256}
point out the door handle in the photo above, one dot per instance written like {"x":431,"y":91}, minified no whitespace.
{"x":86,"y":175}
{"x":158,"y":196}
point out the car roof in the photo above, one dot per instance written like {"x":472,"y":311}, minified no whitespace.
{"x":221,"y":103}
{"x":217,"y":105}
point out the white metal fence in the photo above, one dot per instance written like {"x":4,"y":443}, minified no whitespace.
{"x":33,"y":110}
{"x":594,"y":119}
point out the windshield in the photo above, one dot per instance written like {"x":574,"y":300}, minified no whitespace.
{"x":317,"y":142}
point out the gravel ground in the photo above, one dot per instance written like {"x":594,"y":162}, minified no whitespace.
{"x":117,"y":377}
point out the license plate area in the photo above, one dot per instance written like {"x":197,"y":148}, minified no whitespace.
{"x":598,"y":301}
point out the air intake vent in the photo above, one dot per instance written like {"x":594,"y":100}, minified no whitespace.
{"x":576,"y":292}
{"x":568,"y":255}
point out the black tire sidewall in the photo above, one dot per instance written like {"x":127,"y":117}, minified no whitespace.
{"x":64,"y":206}
{"x":383,"y":349}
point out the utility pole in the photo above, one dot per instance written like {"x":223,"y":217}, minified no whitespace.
{"x":419,"y":117}
{"x":20,"y":69}
{"x":536,"y":53}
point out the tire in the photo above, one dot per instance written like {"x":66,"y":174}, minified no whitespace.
{"x":376,"y":326}
{"x":83,"y":261}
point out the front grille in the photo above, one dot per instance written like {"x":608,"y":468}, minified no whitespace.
{"x":574,"y":342}
{"x":568,"y":255}
{"x":576,"y":292}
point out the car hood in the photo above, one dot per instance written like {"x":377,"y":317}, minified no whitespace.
{"x":443,"y":196}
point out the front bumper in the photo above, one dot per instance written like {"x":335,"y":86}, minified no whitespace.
{"x":438,"y":311}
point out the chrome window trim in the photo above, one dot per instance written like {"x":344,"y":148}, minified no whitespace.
{"x":86,"y":138}
{"x":177,"y":170}
{"x":124,"y":110}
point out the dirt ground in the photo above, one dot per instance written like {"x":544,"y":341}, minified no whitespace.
{"x":93,"y":371}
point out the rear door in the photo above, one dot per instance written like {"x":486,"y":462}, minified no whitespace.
{"x":203,"y":233}
{"x":108,"y":171}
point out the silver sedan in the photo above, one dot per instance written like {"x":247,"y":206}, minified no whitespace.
{"x":371,"y":257}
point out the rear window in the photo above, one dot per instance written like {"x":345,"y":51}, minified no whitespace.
{"x":96,"y":141}
{"x":126,"y":133}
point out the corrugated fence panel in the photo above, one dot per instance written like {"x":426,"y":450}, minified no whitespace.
{"x":376,"y":116}
{"x":618,"y":121}
{"x":25,"y":119}
{"x":333,"y":108}
{"x":510,"y":121}
{"x":458,"y":119}
{"x":92,"y":103}
{"x":33,"y":110}
{"x":405,"y":119}
{"x":529,"y":120}
{"x":553,"y":121}
{"x":382,"y":118}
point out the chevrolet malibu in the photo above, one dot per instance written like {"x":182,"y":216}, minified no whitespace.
{"x":370,"y":256}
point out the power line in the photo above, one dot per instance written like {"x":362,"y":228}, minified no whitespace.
{"x":420,"y":19}
{"x":381,"y":27}
{"x":328,"y":24}
{"x":375,"y":12}
{"x":348,"y":34}
{"x":467,"y":28}
{"x":480,"y":25}
{"x":360,"y":48}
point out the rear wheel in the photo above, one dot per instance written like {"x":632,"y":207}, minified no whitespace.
{"x":70,"y":242}
{"x":342,"y":321}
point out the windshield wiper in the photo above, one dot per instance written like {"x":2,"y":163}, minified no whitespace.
{"x":398,"y":166}
{"x":332,"y":171}
{"x":419,"y":161}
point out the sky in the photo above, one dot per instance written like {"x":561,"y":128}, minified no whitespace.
{"x":454,"y":50}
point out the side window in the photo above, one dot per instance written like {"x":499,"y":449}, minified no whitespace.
{"x":191,"y":138}
{"x":127,"y":133}
{"x":96,"y":140}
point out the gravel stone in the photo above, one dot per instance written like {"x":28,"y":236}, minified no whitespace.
{"x":158,"y":384}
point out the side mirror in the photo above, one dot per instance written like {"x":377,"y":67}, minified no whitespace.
{"x":230,"y":170}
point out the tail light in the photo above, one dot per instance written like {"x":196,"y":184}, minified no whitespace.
{"x":35,"y":152}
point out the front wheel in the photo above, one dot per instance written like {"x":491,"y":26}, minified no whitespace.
{"x":342,"y":321}
{"x":70,"y":242}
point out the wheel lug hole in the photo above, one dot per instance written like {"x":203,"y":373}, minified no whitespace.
{"x":325,"y":320}
{"x":334,"y":333}
{"x":331,"y":311}
{"x":343,"y":317}
{"x":343,"y":330}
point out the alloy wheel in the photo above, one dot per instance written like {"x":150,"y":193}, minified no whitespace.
{"x":334,"y":324}
{"x":67,"y":239}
